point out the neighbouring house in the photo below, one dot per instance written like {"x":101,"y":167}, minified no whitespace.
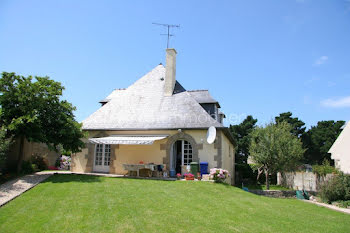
{"x":340,"y":150}
{"x":155,"y":120}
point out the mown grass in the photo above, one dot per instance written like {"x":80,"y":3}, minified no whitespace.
{"x":79,"y":203}
{"x":263,"y":187}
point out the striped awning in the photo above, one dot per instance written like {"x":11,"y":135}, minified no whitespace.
{"x":128,"y":140}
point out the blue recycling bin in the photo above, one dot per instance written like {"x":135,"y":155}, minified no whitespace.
{"x":204,"y":168}
{"x":172,"y":173}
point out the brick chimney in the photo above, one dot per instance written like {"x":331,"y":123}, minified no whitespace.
{"x":170,"y":72}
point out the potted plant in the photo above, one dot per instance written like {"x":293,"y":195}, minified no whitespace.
{"x":178,"y":175}
{"x":189,"y":176}
{"x":199,"y":177}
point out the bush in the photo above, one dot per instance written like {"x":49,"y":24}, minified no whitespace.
{"x":343,"y":204}
{"x":336,"y":189}
{"x":52,"y":168}
{"x":27,"y":167}
{"x":323,"y":169}
{"x":219,"y":175}
{"x":39,"y":162}
{"x":58,"y":162}
{"x":4,"y":146}
{"x":65,"y":162}
{"x":244,"y":173}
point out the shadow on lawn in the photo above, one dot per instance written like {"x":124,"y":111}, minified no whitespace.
{"x":63,"y":178}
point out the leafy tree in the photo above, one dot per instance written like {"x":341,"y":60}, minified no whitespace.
{"x":33,"y":110}
{"x":319,"y":139}
{"x":298,"y":128}
{"x":241,"y":133}
{"x":4,"y":146}
{"x":273,"y":148}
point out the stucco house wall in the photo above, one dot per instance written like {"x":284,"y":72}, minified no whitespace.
{"x":340,"y":151}
{"x":217,"y":154}
{"x":228,"y":158}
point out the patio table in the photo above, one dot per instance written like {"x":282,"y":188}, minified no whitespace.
{"x":137,"y":167}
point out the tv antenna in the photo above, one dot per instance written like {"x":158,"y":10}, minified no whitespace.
{"x":168,"y":34}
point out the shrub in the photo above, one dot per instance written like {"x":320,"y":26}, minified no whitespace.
{"x":27,"y":167}
{"x":52,"y":168}
{"x":4,"y":146}
{"x":39,"y":162}
{"x":336,"y":189}
{"x":58,"y":162}
{"x":244,"y":173}
{"x":323,"y":169}
{"x":65,"y":162}
{"x":219,"y":174}
{"x":344,"y":204}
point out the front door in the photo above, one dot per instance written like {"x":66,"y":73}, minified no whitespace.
{"x":102,"y":157}
{"x":182,"y":155}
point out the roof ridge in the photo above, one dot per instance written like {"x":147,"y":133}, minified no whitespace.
{"x":198,"y":90}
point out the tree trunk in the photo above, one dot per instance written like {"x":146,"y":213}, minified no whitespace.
{"x":260,"y":171}
{"x":267,"y":179}
{"x":20,"y":155}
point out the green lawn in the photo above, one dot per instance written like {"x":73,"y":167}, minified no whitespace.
{"x":263,"y":187}
{"x":78,"y":203}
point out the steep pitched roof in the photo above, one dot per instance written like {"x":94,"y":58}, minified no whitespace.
{"x":112,"y":95}
{"x":203,"y":97}
{"x":144,"y":106}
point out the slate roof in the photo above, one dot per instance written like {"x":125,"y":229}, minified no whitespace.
{"x":203,"y":97}
{"x":112,"y":95}
{"x":144,"y":106}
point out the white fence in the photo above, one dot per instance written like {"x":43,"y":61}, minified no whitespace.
{"x":308,"y":181}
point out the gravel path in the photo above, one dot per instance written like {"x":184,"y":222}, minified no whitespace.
{"x":16,"y":187}
{"x":344,"y":210}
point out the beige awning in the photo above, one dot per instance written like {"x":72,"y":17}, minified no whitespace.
{"x":128,"y":140}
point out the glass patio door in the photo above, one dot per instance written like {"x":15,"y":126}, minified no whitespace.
{"x":102,"y":157}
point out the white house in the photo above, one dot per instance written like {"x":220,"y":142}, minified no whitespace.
{"x":340,"y":150}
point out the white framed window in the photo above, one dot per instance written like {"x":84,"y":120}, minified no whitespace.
{"x":187,"y":156}
{"x":107,"y":155}
{"x":102,"y":155}
{"x":98,"y":154}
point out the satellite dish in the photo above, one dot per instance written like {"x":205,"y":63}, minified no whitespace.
{"x":211,"y":134}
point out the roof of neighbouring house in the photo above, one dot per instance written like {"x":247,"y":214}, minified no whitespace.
{"x":144,"y":106}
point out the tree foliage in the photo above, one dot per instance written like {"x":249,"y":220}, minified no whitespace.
{"x":324,"y":169}
{"x":241,"y":134}
{"x":319,"y":139}
{"x":298,"y":126}
{"x":275,"y":149}
{"x":4,"y":146}
{"x":32,"y":109}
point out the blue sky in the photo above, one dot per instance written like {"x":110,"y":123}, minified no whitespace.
{"x":256,"y":57}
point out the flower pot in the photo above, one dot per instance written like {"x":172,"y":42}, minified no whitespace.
{"x":189,"y":178}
